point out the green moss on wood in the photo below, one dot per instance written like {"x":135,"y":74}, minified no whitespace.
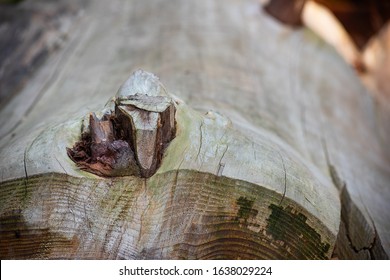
{"x":177,"y":214}
{"x":246,"y":210}
{"x":292,"y":230}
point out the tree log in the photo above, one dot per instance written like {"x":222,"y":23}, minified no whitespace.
{"x":272,"y":130}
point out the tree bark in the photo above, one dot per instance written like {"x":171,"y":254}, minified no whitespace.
{"x":275,"y":154}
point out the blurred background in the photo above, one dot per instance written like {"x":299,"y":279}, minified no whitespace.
{"x":359,"y":30}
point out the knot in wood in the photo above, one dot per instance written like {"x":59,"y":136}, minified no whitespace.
{"x":141,"y":83}
{"x":130,"y":140}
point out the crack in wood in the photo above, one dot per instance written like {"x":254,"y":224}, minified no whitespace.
{"x":200,"y":139}
{"x":60,"y":164}
{"x":144,"y":197}
{"x":25,"y":172}
{"x":221,"y":165}
{"x":285,"y":179}
{"x":25,"y":164}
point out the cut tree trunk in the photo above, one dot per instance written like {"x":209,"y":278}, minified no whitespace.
{"x":275,"y":152}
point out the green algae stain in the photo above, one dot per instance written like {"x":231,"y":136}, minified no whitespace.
{"x":298,"y":238}
{"x":246,"y":210}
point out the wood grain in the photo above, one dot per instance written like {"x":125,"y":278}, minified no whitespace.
{"x":281,"y":127}
{"x":175,"y":215}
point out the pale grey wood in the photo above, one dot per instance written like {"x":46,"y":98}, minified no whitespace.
{"x":284,"y":113}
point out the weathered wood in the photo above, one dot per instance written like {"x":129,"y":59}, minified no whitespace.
{"x":30,"y":32}
{"x":130,"y":138}
{"x":151,"y":128}
{"x":219,"y":193}
{"x":254,"y":172}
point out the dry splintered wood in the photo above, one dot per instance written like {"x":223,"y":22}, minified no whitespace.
{"x":131,"y":139}
{"x":250,"y":151}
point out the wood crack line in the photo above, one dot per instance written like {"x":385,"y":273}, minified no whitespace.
{"x":143,"y":211}
{"x":25,"y":172}
{"x":342,"y":187}
{"x":25,"y":163}
{"x":285,"y":179}
{"x":200,"y":140}
{"x":221,"y":165}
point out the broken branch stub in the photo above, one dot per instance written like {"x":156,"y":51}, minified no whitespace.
{"x":131,"y":139}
